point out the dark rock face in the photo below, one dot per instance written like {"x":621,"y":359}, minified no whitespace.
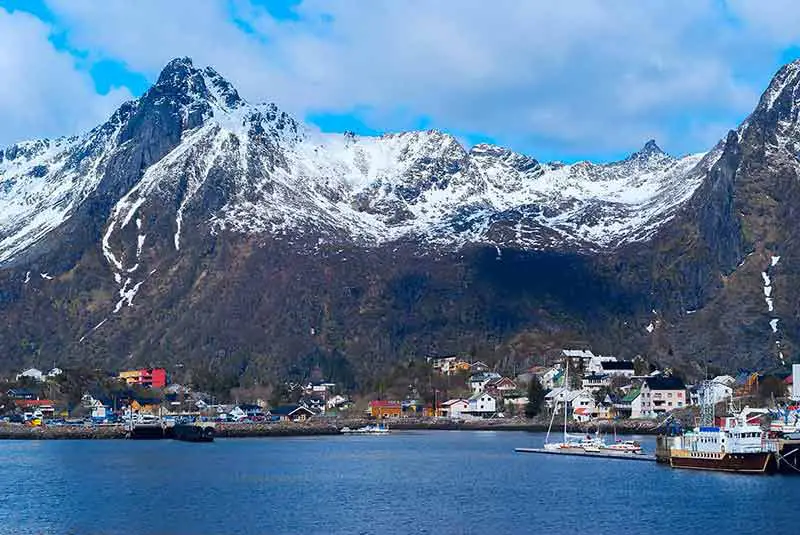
{"x":263,"y":305}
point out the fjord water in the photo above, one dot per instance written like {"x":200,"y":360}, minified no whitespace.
{"x":407,"y":482}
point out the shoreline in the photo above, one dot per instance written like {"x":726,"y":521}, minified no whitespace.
{"x":324,"y":428}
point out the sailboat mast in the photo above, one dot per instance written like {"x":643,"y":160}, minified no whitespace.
{"x":566,"y":391}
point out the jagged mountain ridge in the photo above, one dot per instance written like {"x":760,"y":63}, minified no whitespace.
{"x":196,"y":226}
{"x":368,"y":190}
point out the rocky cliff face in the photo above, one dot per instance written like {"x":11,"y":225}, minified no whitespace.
{"x":196,"y":228}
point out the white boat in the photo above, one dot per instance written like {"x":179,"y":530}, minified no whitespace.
{"x":625,"y":446}
{"x":379,"y":429}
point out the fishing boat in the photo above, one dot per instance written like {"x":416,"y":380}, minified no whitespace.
{"x":735,"y":446}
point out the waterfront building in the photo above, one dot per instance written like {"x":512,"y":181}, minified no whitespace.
{"x":662,"y":394}
{"x":482,"y":404}
{"x":45,"y":406}
{"x":454,"y":408}
{"x":145,"y":405}
{"x":385,"y":409}
{"x":290,"y":413}
{"x":147,"y":377}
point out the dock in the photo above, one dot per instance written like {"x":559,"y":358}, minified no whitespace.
{"x":599,"y":454}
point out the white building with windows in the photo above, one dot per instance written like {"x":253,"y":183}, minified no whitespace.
{"x":482,"y":404}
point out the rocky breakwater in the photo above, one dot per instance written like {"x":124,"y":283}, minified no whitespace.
{"x":23,"y":432}
{"x":276,"y":429}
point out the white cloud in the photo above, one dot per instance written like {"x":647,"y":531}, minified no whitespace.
{"x":42,"y":93}
{"x":579,"y":77}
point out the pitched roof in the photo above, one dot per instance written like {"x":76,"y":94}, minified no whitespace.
{"x":500,"y":380}
{"x":451,"y":402}
{"x":630,"y":396}
{"x":479,"y":395}
{"x":665,"y":383}
{"x":288,"y":410}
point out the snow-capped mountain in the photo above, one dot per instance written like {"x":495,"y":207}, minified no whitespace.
{"x":283,"y":177}
{"x":195,"y":227}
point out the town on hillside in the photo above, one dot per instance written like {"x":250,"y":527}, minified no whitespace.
{"x":590,"y":387}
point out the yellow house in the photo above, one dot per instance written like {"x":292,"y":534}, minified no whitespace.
{"x":146,"y":407}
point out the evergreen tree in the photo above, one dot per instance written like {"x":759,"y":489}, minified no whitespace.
{"x":536,"y":395}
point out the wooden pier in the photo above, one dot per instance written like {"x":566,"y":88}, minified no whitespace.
{"x":599,"y":454}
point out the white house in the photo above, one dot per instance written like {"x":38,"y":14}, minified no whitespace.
{"x":593,"y":382}
{"x":482,"y":404}
{"x":237,"y":413}
{"x":550,"y":378}
{"x":31,"y":373}
{"x":556,"y":398}
{"x":100,"y":410}
{"x":336,"y":401}
{"x":722,"y":387}
{"x":477,"y":382}
{"x":630,"y":406}
{"x":55,"y":372}
{"x":454,"y":408}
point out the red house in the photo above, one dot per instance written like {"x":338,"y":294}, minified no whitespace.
{"x":147,"y":377}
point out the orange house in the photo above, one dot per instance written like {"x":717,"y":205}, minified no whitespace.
{"x":385,"y":409}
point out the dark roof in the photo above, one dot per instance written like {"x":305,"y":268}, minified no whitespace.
{"x":595,"y":376}
{"x":665,"y":383}
{"x":147,"y":401}
{"x":21,"y":392}
{"x":617,"y":365}
{"x":249,"y":407}
{"x":286,"y":410}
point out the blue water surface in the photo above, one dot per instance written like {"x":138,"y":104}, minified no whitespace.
{"x":436,"y":482}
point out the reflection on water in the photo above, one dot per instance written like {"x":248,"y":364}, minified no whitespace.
{"x":406,"y":482}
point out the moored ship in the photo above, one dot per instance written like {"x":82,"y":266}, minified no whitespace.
{"x":736,"y":446}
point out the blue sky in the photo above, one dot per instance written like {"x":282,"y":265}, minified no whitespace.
{"x":580,"y":79}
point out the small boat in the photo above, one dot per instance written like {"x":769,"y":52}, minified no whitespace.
{"x":379,"y":429}
{"x":625,"y":446}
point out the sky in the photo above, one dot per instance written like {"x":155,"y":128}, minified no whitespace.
{"x":567,"y":80}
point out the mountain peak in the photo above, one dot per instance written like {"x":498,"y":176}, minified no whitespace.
{"x":780,"y":93}
{"x":648,"y":151}
{"x":180,"y":77}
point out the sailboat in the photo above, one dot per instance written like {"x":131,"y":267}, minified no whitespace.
{"x":566,"y":443}
{"x":572,"y":443}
